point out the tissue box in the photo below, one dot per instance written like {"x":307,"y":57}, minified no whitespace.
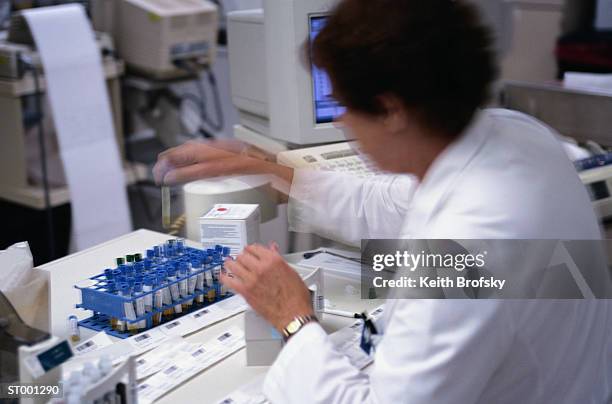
{"x":231,"y":225}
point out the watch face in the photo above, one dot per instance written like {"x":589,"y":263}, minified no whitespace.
{"x":293,"y":326}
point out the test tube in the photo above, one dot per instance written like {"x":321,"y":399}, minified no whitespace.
{"x":184,"y":285}
{"x":196,"y":266}
{"x":166,"y":209}
{"x":158,"y":299}
{"x":192,"y":269}
{"x":73,"y":328}
{"x":128,"y":308}
{"x":162,"y":277}
{"x":210,"y":282}
{"x":112,"y":288}
{"x":174,"y":290}
{"x":222,"y":287}
{"x":140,"y":304}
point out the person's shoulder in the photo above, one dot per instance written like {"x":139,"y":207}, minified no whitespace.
{"x":520,"y":184}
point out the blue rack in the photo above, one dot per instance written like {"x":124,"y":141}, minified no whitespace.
{"x":187,"y":266}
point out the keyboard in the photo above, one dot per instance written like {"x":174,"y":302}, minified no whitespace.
{"x":339,"y":157}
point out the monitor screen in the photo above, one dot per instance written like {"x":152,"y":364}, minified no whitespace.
{"x":326,"y":109}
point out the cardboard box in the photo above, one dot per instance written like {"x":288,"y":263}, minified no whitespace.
{"x":231,"y":225}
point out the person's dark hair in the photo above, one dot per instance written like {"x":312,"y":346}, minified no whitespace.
{"x":436,"y":56}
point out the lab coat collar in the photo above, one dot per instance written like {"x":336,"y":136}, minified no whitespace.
{"x":449,"y":166}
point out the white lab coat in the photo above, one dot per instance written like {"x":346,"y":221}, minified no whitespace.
{"x":507,"y":177}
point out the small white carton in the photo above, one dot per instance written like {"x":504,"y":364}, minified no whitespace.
{"x":231,"y":225}
{"x":263,"y":341}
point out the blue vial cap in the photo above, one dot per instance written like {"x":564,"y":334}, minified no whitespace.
{"x":218,"y":248}
{"x":150,"y":253}
{"x":138,"y":278}
{"x":183,"y":268}
{"x":138,"y":287}
{"x":123,"y":268}
{"x":196,"y":263}
{"x":139,"y":266}
{"x":210,"y":251}
{"x":150,"y":280}
{"x":116,"y":273}
{"x":147,"y":263}
{"x":124,"y":287}
{"x":226,"y":251}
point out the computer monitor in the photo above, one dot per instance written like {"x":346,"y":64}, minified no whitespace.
{"x":300,"y":106}
{"x":279,"y":96}
{"x":325,"y":107}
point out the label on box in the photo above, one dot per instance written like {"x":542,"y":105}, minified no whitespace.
{"x":234,"y":226}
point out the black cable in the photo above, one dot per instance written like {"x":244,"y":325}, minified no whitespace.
{"x":43,"y":160}
{"x":212,"y":80}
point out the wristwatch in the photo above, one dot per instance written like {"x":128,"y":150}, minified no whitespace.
{"x":296,"y":325}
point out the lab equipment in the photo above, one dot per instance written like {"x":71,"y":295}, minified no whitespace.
{"x":133,"y":298}
{"x":341,"y":157}
{"x":154,"y":36}
{"x":41,"y":363}
{"x":25,"y":351}
{"x":231,"y":225}
{"x":596,"y":174}
{"x":73,"y":328}
{"x":101,"y":383}
{"x":166,"y":207}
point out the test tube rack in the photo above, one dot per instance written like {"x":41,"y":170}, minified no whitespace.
{"x":165,"y":269}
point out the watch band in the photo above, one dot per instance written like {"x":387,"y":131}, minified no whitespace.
{"x":297,"y":324}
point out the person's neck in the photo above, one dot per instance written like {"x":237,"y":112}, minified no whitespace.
{"x":423,"y":152}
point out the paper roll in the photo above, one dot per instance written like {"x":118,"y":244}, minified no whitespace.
{"x":81,"y":112}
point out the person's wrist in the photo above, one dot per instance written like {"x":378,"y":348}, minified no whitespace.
{"x":284,"y":321}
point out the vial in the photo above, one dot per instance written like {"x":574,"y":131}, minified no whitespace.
{"x":184,"y":285}
{"x":139,"y":303}
{"x":175,"y":291}
{"x":73,"y":328}
{"x":196,"y":266}
{"x":128,"y":308}
{"x":158,"y":299}
{"x":166,"y":208}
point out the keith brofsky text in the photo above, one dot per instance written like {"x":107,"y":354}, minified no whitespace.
{"x":411,"y":262}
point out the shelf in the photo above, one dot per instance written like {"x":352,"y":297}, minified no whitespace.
{"x":34,"y":196}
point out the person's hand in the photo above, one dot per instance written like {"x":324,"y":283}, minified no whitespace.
{"x":198,"y":160}
{"x":269,"y":285}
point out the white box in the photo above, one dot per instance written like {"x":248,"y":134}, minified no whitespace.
{"x":263,"y":341}
{"x":231,"y":225}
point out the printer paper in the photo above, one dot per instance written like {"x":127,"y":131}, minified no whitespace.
{"x":81,"y":111}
